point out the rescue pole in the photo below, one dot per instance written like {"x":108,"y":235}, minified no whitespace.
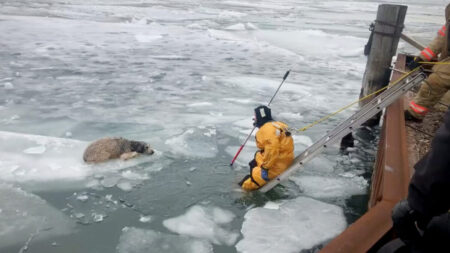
{"x":412,"y":42}
{"x":248,"y":137}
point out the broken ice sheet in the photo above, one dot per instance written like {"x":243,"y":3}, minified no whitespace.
{"x":135,"y":240}
{"x":205,"y":223}
{"x":195,"y":142}
{"x":305,"y":223}
{"x":24,"y":215}
{"x":46,"y":163}
{"x":331,"y":186}
{"x":88,"y":207}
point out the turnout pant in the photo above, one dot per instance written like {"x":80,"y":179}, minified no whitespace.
{"x":430,"y":92}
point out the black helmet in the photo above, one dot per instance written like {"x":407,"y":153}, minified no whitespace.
{"x":262,"y":115}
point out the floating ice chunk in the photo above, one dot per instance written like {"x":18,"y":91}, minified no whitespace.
{"x":203,"y":222}
{"x":144,"y":38}
{"x":303,"y":139}
{"x":195,"y":143}
{"x":246,"y":155}
{"x":255,"y":84}
{"x":79,"y":215}
{"x":35,"y":150}
{"x":110,"y":181}
{"x":195,"y":26}
{"x":305,"y":223}
{"x":251,"y":26}
{"x":91,"y":208}
{"x":222,"y":35}
{"x":142,"y":21}
{"x":8,"y":86}
{"x":97,"y":217}
{"x":135,"y":240}
{"x":132,"y":175}
{"x":222,"y":216}
{"x":244,"y":123}
{"x":342,"y":45}
{"x":171,"y":57}
{"x":236,"y":27}
{"x":83,"y":197}
{"x":331,"y":187}
{"x":245,"y":101}
{"x":272,"y":205}
{"x":125,"y":186}
{"x":200,"y":104}
{"x":145,"y":219}
{"x":48,"y":162}
{"x":290,"y":116}
{"x":25,"y":215}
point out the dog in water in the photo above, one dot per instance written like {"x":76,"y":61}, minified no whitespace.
{"x":112,"y":148}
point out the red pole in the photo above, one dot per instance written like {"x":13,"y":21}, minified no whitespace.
{"x":248,"y":137}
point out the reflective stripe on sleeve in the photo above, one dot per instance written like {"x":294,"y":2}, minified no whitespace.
{"x":428,"y":54}
{"x":442,"y":31}
{"x":418,"y":108}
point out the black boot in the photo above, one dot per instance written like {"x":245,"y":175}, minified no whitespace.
{"x":410,"y":117}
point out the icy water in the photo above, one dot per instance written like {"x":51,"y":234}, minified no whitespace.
{"x":183,"y":76}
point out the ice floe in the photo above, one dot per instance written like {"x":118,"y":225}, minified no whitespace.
{"x":294,"y":225}
{"x":25,"y":216}
{"x":332,"y":186}
{"x":208,"y":223}
{"x":48,"y":162}
{"x":195,"y":142}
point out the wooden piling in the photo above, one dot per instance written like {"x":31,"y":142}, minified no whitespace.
{"x":387,"y":30}
{"x":382,"y":46}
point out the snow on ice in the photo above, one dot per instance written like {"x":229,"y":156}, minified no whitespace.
{"x":305,"y":223}
{"x":205,"y":223}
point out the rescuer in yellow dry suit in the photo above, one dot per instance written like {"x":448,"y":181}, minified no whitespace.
{"x":276,"y":150}
{"x":438,"y":83}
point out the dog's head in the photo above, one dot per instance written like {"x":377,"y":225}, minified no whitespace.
{"x":141,"y":147}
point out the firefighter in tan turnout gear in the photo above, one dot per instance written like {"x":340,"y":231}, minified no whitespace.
{"x":438,"y":83}
{"x":276,"y":150}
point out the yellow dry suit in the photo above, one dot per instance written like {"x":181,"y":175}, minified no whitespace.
{"x":275,"y":155}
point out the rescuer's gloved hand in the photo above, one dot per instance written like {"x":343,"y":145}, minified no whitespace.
{"x":414,"y":63}
{"x":404,"y":219}
{"x":265,"y":174}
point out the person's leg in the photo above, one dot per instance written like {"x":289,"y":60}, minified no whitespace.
{"x":254,"y":181}
{"x":430,"y":92}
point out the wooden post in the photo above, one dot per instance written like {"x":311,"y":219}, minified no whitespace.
{"x":386,"y":35}
{"x":381,"y":48}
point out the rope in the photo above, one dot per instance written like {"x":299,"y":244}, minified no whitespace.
{"x":366,"y":97}
{"x":355,"y":102}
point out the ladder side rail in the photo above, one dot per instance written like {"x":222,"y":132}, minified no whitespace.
{"x":345,"y":123}
{"x":368,"y":111}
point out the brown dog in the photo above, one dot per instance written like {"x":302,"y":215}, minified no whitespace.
{"x":112,"y":148}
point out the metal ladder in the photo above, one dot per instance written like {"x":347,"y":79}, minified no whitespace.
{"x":369,"y":110}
